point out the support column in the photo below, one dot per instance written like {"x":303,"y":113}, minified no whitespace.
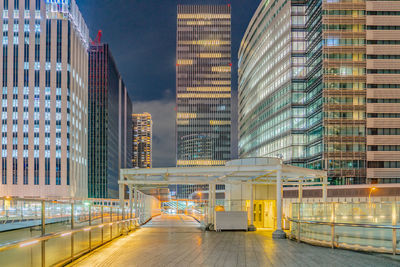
{"x":122,"y":199}
{"x":210,"y":219}
{"x":140,"y":207}
{"x":123,"y":228}
{"x":213,"y":204}
{"x":251,"y":226}
{"x":325,"y":190}
{"x":130,"y":202}
{"x":135,"y":199}
{"x":279,"y":233}
{"x":301,"y":190}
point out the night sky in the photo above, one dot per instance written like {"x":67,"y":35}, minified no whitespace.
{"x":142,"y":37}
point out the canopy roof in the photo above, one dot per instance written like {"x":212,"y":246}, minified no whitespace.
{"x":250,"y":171}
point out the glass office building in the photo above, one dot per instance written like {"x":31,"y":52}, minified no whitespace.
{"x":44,"y":99}
{"x":203,"y":85}
{"x":349,"y":98}
{"x":272,"y":112}
{"x":110,"y":124}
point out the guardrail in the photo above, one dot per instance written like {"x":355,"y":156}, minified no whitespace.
{"x":81,"y":241}
{"x":48,"y":233}
{"x":334,"y":238}
{"x":368,"y":227}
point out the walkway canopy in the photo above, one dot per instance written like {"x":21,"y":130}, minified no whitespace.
{"x":250,"y":171}
{"x":266,"y":171}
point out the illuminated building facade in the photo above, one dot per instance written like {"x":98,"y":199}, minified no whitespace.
{"x":349,"y":97}
{"x":142,"y":140}
{"x":109,"y":123}
{"x":382,"y":58}
{"x":203,"y":85}
{"x":272,"y":112}
{"x":44,"y":99}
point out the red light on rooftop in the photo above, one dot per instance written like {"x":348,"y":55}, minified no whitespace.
{"x":230,"y":64}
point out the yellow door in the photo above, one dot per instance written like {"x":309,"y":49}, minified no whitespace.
{"x":269,"y":213}
{"x":258,"y":214}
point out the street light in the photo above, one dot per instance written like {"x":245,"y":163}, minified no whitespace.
{"x":370,"y":192}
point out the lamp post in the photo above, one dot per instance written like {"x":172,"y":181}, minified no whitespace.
{"x":370,"y":192}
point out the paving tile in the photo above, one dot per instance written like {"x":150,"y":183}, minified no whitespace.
{"x":176,"y":240}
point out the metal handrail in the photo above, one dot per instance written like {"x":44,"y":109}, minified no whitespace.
{"x":63,"y":201}
{"x":365,"y":225}
{"x":60,"y":234}
{"x":334,"y":243}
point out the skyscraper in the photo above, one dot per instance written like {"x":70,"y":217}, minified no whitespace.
{"x":44,"y":99}
{"x":142,"y":140}
{"x":342,"y":115}
{"x":203,"y":85}
{"x":271,"y":83}
{"x":109,"y":123}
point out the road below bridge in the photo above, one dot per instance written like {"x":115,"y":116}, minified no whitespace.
{"x":176,"y":240}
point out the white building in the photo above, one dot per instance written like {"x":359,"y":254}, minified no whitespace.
{"x":44,"y":99}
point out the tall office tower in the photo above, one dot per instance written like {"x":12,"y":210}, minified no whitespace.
{"x":109,"y":123}
{"x":203,"y":85}
{"x":349,"y":97}
{"x":44,"y":99}
{"x":383,"y":91}
{"x":336,"y":89}
{"x":142,"y":140}
{"x":272,"y":82}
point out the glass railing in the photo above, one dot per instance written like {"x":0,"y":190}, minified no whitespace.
{"x":360,"y":226}
{"x":47,"y":233}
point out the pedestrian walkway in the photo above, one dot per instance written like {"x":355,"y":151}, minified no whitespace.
{"x":176,"y":240}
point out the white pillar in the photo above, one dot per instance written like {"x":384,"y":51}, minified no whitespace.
{"x":325,"y":189}
{"x":279,"y":234}
{"x":142,"y":215}
{"x":251,"y":226}
{"x":211,"y":203}
{"x":135,"y":199}
{"x":301,"y":190}
{"x":122,"y":199}
{"x":130,"y":201}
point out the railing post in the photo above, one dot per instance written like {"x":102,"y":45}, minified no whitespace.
{"x":135,"y":200}
{"x":43,"y":221}
{"x":22,"y":210}
{"x":394,"y":221}
{"x":130,"y":206}
{"x":298,"y":224}
{"x":102,"y":221}
{"x":72,"y":228}
{"x":90,"y":223}
{"x":333,"y":225}
{"x":111,"y":220}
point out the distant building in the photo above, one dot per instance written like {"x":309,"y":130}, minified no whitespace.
{"x":44,"y":75}
{"x":142,"y":140}
{"x":109,"y":123}
{"x":203,"y":85}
